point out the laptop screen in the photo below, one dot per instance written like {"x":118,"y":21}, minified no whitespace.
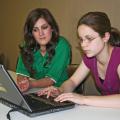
{"x":9,"y":90}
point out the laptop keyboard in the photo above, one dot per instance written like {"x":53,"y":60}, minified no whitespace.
{"x":36,"y":104}
{"x":42,"y":105}
{"x":49,"y":100}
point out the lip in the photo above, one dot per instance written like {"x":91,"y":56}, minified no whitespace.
{"x":42,"y":38}
{"x":86,"y":51}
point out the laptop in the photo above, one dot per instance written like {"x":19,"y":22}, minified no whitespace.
{"x":28,"y":104}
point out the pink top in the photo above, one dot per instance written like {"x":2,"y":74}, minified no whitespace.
{"x":111,"y":84}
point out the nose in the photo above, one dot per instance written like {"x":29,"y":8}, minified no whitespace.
{"x":41,"y":32}
{"x":84,"y":43}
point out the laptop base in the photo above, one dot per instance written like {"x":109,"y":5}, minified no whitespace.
{"x":33,"y":114}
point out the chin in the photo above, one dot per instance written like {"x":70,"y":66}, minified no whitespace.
{"x":43,"y":43}
{"x":89,"y":55}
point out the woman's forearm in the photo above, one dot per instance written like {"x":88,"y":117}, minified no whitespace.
{"x":44,"y":82}
{"x":67,"y":86}
{"x":103,"y":101}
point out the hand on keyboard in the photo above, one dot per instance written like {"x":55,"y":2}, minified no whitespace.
{"x":46,"y":100}
{"x":50,"y":91}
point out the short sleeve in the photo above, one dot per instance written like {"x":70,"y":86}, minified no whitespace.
{"x":89,"y":62}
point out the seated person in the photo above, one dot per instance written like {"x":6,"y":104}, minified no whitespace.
{"x":44,"y":54}
{"x":101,"y":46}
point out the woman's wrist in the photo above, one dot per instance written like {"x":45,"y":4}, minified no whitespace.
{"x":84,"y":100}
{"x":60,"y":90}
{"x":33,"y":84}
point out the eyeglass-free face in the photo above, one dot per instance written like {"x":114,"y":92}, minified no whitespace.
{"x":42,"y":32}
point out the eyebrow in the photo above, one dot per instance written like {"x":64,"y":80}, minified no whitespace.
{"x":42,"y":25}
{"x":89,"y":36}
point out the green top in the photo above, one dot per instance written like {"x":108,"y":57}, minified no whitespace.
{"x":57,"y":69}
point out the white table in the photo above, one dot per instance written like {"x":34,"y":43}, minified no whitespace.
{"x":77,"y":113}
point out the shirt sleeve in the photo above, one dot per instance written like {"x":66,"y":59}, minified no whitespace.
{"x":21,"y":69}
{"x":60,"y":61}
{"x":89,"y":62}
{"x":86,"y":61}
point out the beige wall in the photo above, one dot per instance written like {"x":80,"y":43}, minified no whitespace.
{"x":67,"y":13}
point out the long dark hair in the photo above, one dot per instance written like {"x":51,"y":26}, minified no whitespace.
{"x":30,"y":45}
{"x":100,"y":23}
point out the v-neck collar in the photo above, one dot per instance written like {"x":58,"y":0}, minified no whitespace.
{"x":107,"y":70}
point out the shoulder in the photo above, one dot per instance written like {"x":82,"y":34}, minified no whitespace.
{"x":63,"y":41}
{"x":116,"y":53}
{"x":116,"y":57}
{"x":117,"y":50}
{"x":89,"y":61}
